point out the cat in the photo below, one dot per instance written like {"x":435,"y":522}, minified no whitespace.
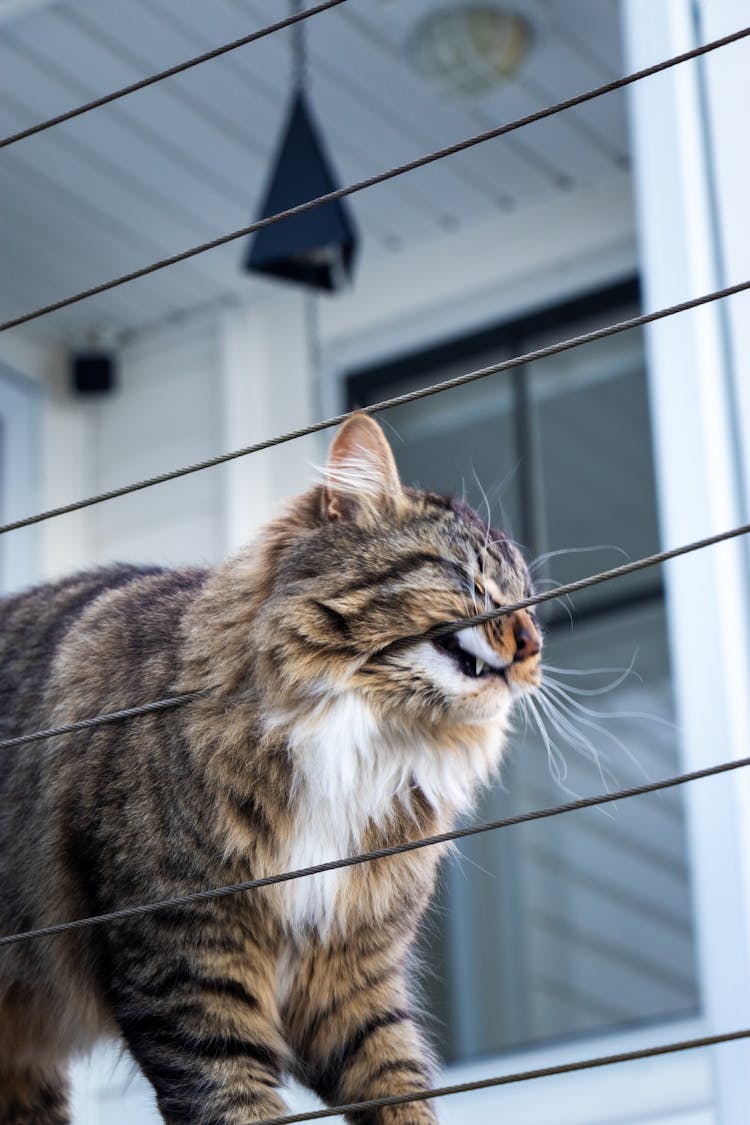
{"x":318,"y":741}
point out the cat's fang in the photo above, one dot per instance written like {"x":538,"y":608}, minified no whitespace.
{"x":480,"y":666}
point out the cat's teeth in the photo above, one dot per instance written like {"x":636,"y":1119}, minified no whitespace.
{"x":481,"y":664}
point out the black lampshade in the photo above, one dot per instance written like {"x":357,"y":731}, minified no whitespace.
{"x":318,"y":247}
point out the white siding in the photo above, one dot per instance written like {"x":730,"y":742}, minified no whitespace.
{"x":166,"y":412}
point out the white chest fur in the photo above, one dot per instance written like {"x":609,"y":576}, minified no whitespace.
{"x":348,"y":773}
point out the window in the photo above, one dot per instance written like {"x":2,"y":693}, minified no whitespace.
{"x":581,"y":923}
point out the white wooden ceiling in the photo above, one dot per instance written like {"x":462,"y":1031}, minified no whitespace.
{"x":187,"y":160}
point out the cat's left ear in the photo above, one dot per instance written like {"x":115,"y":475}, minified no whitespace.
{"x":361,"y":469}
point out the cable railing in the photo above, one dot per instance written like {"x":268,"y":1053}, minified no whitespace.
{"x":372,"y":181}
{"x":91,"y":724}
{"x":376,"y":408}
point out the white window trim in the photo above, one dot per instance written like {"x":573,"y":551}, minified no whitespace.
{"x":698,"y":475}
{"x":20,"y":475}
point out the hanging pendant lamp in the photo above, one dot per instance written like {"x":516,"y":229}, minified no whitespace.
{"x":316,"y":248}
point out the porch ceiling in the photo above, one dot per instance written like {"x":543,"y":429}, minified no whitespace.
{"x":187,"y":160}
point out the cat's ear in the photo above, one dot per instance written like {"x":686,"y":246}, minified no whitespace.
{"x":361,"y":470}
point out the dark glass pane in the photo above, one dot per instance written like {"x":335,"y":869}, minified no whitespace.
{"x":594,"y":464}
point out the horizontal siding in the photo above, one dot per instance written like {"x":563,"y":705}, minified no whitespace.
{"x":165,"y":413}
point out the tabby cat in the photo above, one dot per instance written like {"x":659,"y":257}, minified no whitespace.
{"x":318,"y":741}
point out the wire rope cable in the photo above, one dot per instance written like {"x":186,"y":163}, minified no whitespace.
{"x":583,"y":583}
{"x":169,"y":72}
{"x":385,"y":404}
{"x":436,"y":631}
{"x":511,"y":1079}
{"x":212,"y":893}
{"x":378,"y":178}
{"x":108,"y":717}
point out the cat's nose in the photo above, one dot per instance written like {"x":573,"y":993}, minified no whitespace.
{"x":526,"y":638}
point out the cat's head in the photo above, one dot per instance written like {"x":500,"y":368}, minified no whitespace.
{"x":361,"y":562}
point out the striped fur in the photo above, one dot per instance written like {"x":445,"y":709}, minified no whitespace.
{"x":319,"y":739}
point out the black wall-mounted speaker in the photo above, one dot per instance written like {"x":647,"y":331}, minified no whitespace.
{"x":93,"y":373}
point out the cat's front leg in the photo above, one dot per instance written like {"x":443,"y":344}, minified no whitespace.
{"x":348,"y":1017}
{"x":196,"y":1005}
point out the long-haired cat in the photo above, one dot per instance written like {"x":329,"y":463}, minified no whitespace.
{"x":318,"y":741}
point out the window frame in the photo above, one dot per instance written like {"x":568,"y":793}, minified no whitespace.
{"x":367,"y":382}
{"x":681,"y":1085}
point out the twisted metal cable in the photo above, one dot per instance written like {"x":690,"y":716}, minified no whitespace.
{"x":109,"y":717}
{"x":213,"y":893}
{"x":580,"y":584}
{"x":511,"y":1079}
{"x":152,"y":79}
{"x":379,"y":178}
{"x":386,"y":404}
{"x":440,"y":630}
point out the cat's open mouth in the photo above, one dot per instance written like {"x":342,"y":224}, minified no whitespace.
{"x":468,"y":662}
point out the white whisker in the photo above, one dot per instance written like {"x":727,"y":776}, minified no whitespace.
{"x":541,"y":559}
{"x":462,"y":857}
{"x":472,"y":581}
{"x":565,"y":600}
{"x":524,"y":699}
{"x":591,"y":671}
{"x":563,"y":690}
{"x":485,"y":548}
{"x":558,"y":767}
{"x":576,"y":739}
{"x":619,"y":679}
{"x":578,"y":718}
{"x":572,"y":690}
{"x":497,"y":498}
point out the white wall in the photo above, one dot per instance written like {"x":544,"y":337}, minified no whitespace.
{"x":165,"y":413}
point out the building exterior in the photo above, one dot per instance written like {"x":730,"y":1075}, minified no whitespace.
{"x":592,"y":935}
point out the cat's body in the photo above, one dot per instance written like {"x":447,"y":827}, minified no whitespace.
{"x":317,"y":742}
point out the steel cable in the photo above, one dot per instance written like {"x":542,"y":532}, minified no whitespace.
{"x":386,"y":404}
{"x":437,"y":631}
{"x":175,"y":701}
{"x":152,"y":79}
{"x":511,"y":1079}
{"x":109,"y":717}
{"x":213,"y":893}
{"x":378,"y":178}
{"x":580,"y":584}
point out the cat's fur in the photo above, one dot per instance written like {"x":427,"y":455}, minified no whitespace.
{"x":317,"y":742}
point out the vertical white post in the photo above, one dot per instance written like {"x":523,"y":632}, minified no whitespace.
{"x":63,"y":470}
{"x":267,"y":390}
{"x":727,"y":90}
{"x":697,"y":459}
{"x":68,"y":444}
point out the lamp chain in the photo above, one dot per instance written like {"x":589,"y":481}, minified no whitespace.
{"x":300,"y":72}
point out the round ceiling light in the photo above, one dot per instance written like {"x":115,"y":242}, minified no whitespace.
{"x":469,"y":49}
